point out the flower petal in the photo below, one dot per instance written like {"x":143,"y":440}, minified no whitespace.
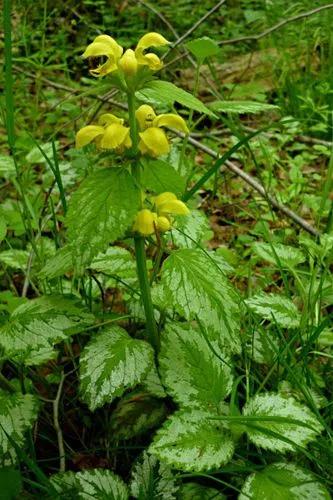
{"x":104,"y":69}
{"x":145,"y":116}
{"x":152,"y":40}
{"x":155,"y":141}
{"x":107,"y":118}
{"x":163,"y":224}
{"x":175,"y":207}
{"x":103,"y":45}
{"x":171,"y":120}
{"x":87,"y":134}
{"x":115,"y":136}
{"x":145,"y":222}
{"x":163,"y":197}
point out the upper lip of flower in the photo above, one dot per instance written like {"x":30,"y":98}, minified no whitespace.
{"x":105,"y":45}
{"x":110,"y":133}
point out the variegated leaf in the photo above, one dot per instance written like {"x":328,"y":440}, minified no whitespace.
{"x":275,"y":308}
{"x":111,"y":363}
{"x":196,"y":287}
{"x":152,"y":480}
{"x":195,"y":372}
{"x":280,"y":423}
{"x":193,"y":441}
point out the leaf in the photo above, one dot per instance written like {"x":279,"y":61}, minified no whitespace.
{"x":101,"y":210}
{"x":241,"y":107}
{"x":7,"y":167}
{"x":275,"y":308}
{"x":100,"y":484}
{"x":152,"y":384}
{"x":262,"y":347}
{"x":152,"y":480}
{"x":10,"y":483}
{"x":206,"y":378}
{"x":135,"y":414}
{"x":283,"y":481}
{"x":167,"y":93}
{"x":3,"y":228}
{"x":195,"y":491}
{"x":203,"y":47}
{"x":280,"y":418}
{"x":191,"y":441}
{"x":59,"y":264}
{"x":190,"y":230}
{"x":159,"y":176}
{"x":287,"y":255}
{"x":36,"y":156}
{"x":17,"y":414}
{"x":17,"y":259}
{"x":37,"y":325}
{"x":115,"y":260}
{"x":111,"y":363}
{"x":193,"y":284}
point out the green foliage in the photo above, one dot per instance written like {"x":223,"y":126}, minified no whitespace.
{"x":202,"y":48}
{"x":99,"y":213}
{"x":241,"y":107}
{"x":152,"y":479}
{"x":111,"y":363}
{"x":18,"y":412}
{"x":278,"y":254}
{"x":159,"y":176}
{"x":283,"y":481}
{"x":275,"y":308}
{"x":195,"y":491}
{"x":35,"y":327}
{"x":10,"y":483}
{"x":193,"y":284}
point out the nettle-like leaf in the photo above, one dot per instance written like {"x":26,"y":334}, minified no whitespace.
{"x":17,"y":414}
{"x":190,"y":230}
{"x":17,"y":259}
{"x":164,"y":92}
{"x":115,"y":261}
{"x":203,"y":47}
{"x":111,"y":363}
{"x":195,"y":491}
{"x":262,"y":346}
{"x":280,"y":423}
{"x":285,"y":481}
{"x":101,"y":210}
{"x":193,"y":441}
{"x":275,"y":308}
{"x":193,"y":284}
{"x":152,"y":384}
{"x":59,"y":264}
{"x":99,"y":484}
{"x":196,"y":374}
{"x":241,"y":107}
{"x":135,"y":414}
{"x":159,"y":176}
{"x":283,"y":255}
{"x":152,"y":480}
{"x":36,"y":326}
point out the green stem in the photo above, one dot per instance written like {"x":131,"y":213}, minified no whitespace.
{"x":139,"y":241}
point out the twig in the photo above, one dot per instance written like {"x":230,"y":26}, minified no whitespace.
{"x":251,"y":181}
{"x":62,"y":457}
{"x":277,"y":26}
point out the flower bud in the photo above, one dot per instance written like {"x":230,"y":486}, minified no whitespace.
{"x":145,"y":222}
{"x":128,"y":63}
{"x":163,"y":224}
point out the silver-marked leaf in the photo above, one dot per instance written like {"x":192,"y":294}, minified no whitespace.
{"x":196,"y":373}
{"x":195,"y":491}
{"x":282,"y":255}
{"x":275,"y":308}
{"x":65,"y":484}
{"x":279,"y":423}
{"x":59,"y":264}
{"x":152,"y":480}
{"x":164,"y":92}
{"x":241,"y":107}
{"x":152,"y":384}
{"x":192,"y":441}
{"x":191,"y":230}
{"x":194,"y":285}
{"x":283,"y":481}
{"x":135,"y":414}
{"x":111,"y":363}
{"x":159,"y":176}
{"x":17,"y":414}
{"x":17,"y":259}
{"x":100,"y":484}
{"x":101,"y":210}
{"x":115,"y":261}
{"x":36,"y":326}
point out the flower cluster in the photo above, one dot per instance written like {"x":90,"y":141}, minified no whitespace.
{"x":130,"y":61}
{"x":148,"y":222}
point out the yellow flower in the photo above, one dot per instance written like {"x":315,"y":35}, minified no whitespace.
{"x":145,"y":222}
{"x":151,"y":60}
{"x":104,"y":46}
{"x":153,"y":139}
{"x":168,"y":204}
{"x":110,"y":133}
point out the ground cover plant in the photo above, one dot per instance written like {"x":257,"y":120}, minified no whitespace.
{"x":166,"y":250}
